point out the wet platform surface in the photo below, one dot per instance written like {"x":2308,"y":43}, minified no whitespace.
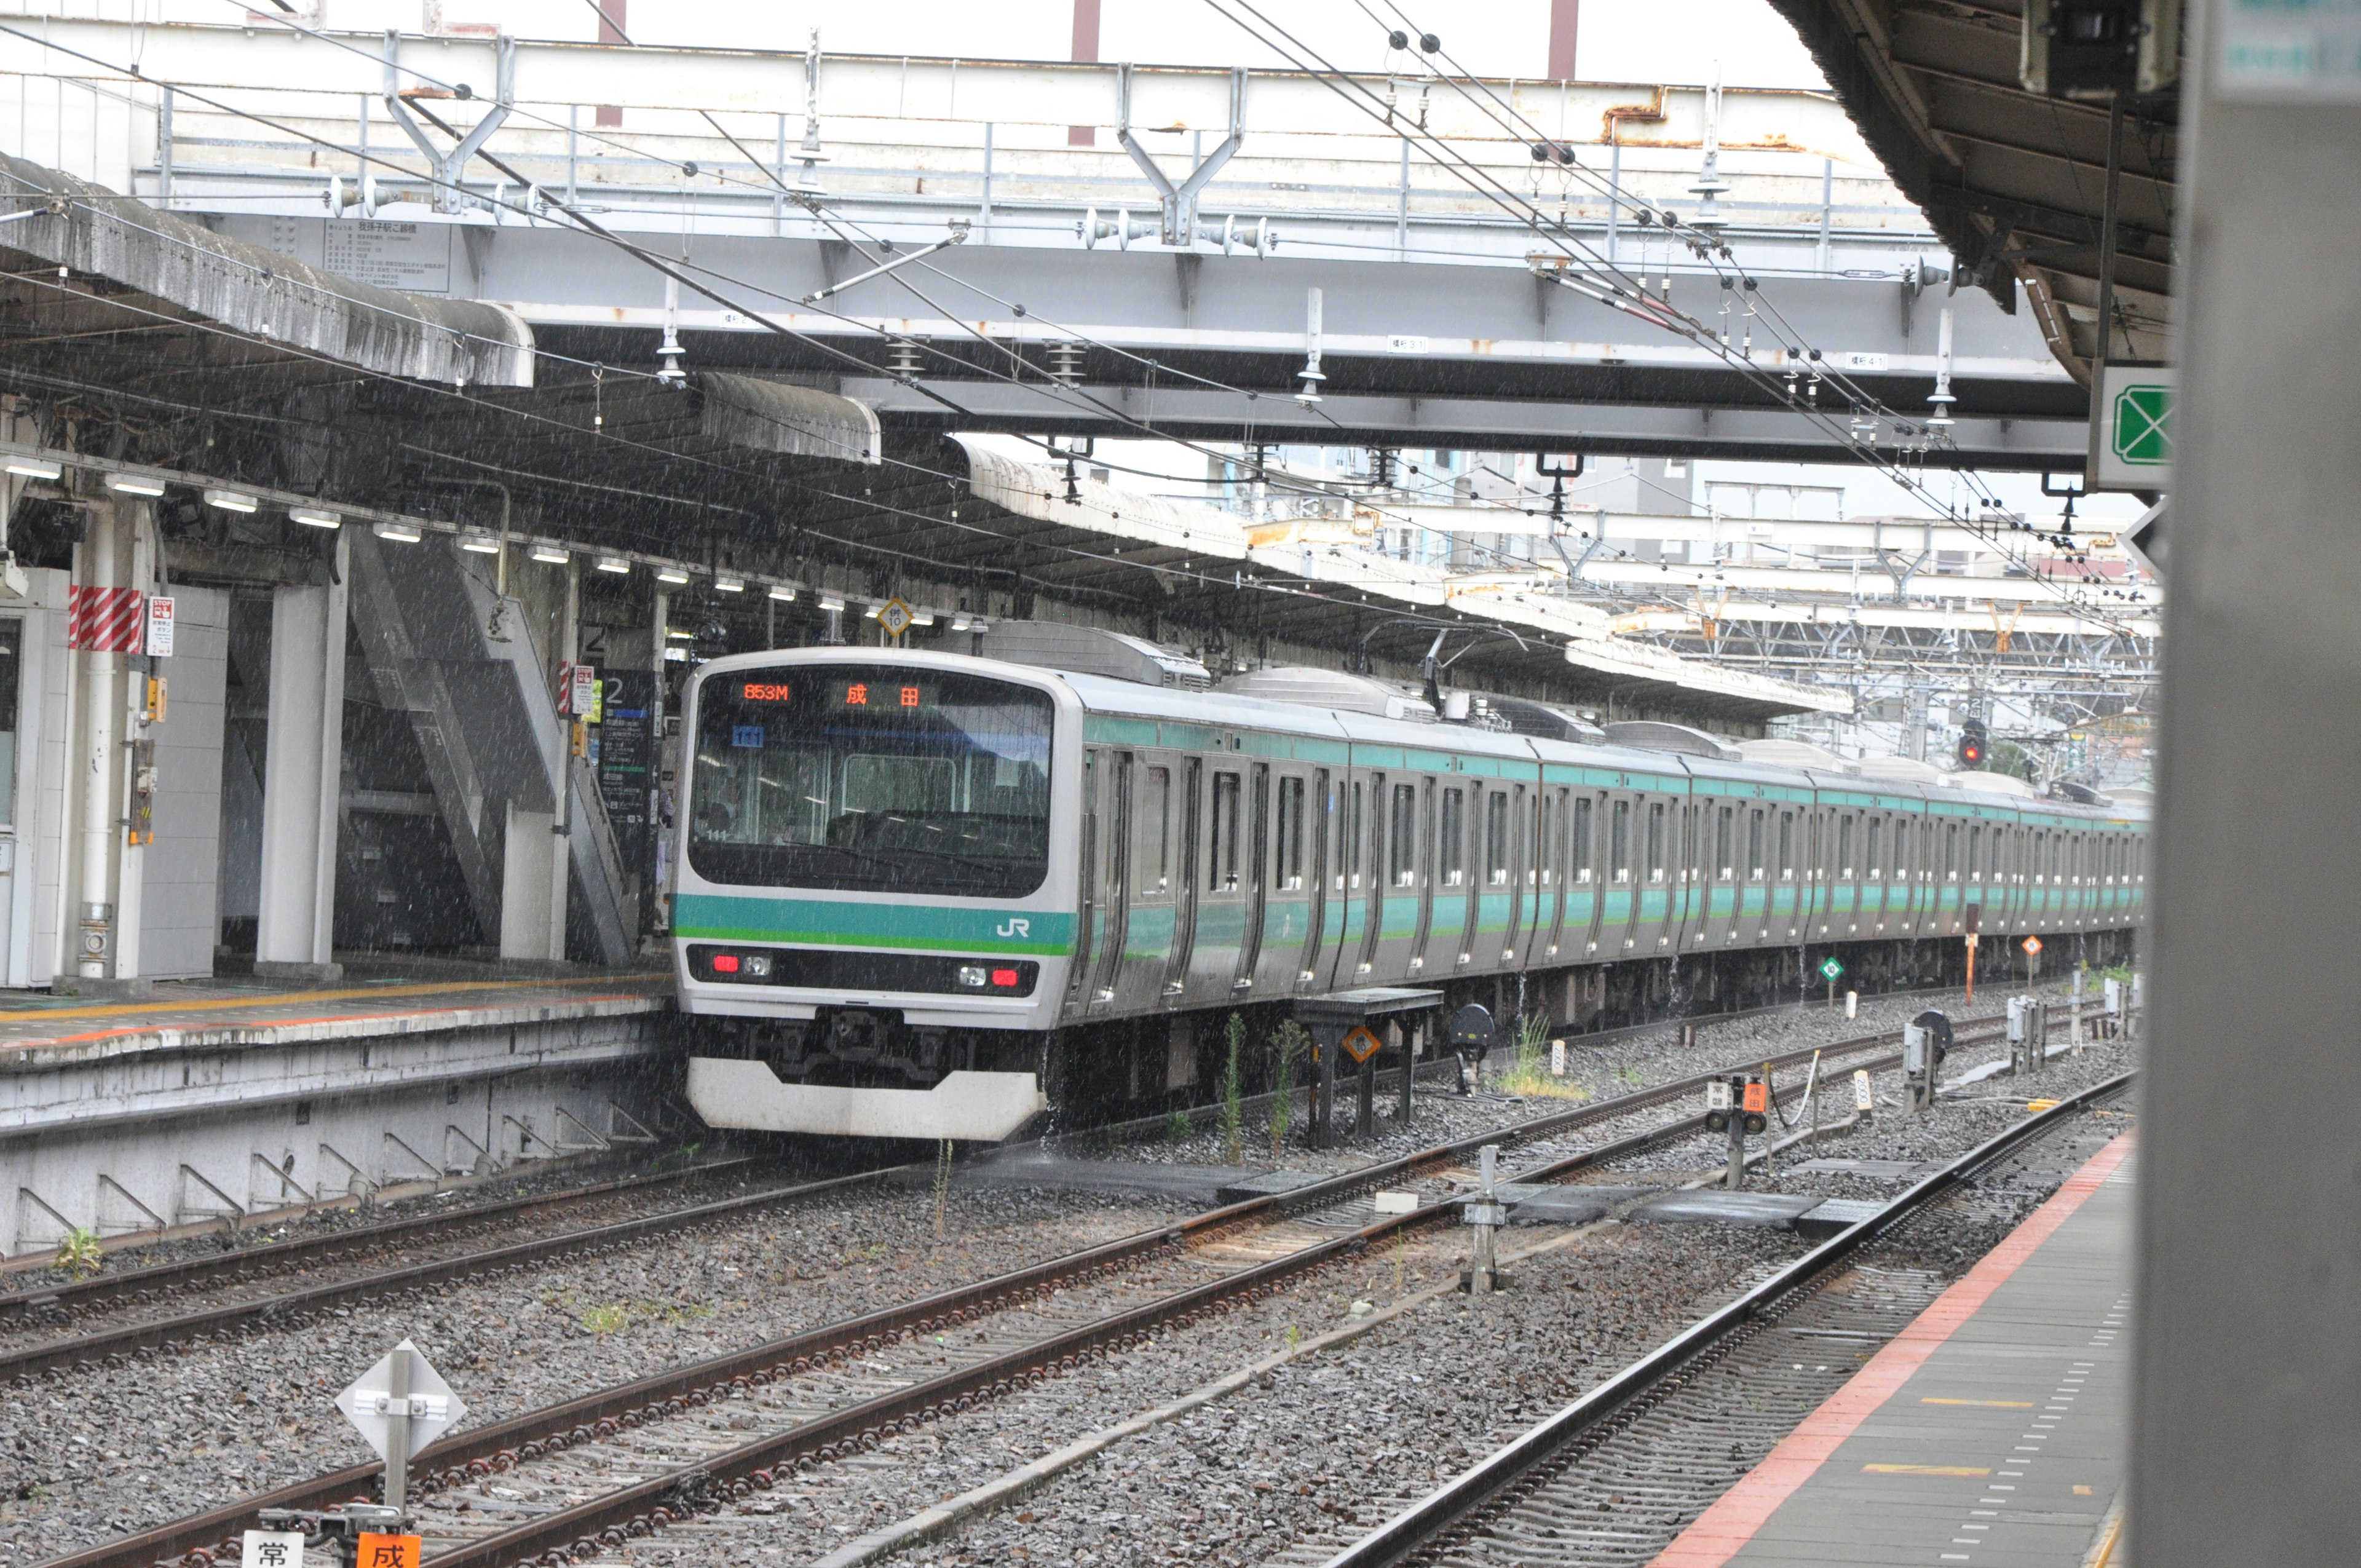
{"x":246,"y":1012}
{"x":1991,"y":1434}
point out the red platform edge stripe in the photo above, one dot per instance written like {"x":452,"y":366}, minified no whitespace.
{"x":1723,"y":1530}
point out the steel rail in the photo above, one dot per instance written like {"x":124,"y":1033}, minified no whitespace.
{"x":241,"y":1261}
{"x":294,"y":1307}
{"x":1453,"y":1504}
{"x":481,"y":1451}
{"x":607,"y":1520}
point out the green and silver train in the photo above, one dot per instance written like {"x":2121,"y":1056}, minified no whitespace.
{"x":937,"y":891}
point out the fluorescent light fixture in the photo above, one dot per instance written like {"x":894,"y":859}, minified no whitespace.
{"x":135,"y":485}
{"x":676,"y":655}
{"x":683,"y":636}
{"x":783,"y":593}
{"x":872,"y":612}
{"x":672,"y":575}
{"x":831,"y":601}
{"x":550,"y":555}
{"x":313,"y":517}
{"x":34,"y":469}
{"x":615,"y":564}
{"x":959,"y":622}
{"x":728,"y":586}
{"x":922,"y":618}
{"x":232,"y":500}
{"x":400,"y":532}
{"x":475,"y":541}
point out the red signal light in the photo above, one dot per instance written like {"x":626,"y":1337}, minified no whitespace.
{"x":725,"y":963}
{"x":1006,"y":977}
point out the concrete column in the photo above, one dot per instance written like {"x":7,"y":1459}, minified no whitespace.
{"x":303,"y":781}
{"x":569,"y":649}
{"x":2248,"y":1400}
{"x":96,"y":958}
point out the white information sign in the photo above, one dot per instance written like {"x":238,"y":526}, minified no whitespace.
{"x":272,"y":1549}
{"x":412,"y":256}
{"x":2287,"y":50}
{"x":159,"y":627}
{"x":434,"y":1408}
{"x":1861,"y":1095}
{"x":583,"y":700}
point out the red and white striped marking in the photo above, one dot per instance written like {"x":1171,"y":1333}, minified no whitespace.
{"x":105,"y":620}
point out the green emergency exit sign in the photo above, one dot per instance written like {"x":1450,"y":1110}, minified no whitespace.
{"x":2131,"y":429}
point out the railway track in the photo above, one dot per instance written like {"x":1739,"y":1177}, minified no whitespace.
{"x":1613,"y":1476}
{"x":845,"y":1387}
{"x":247,"y":1263}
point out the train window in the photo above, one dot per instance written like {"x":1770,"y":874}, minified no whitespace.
{"x":1545,"y":845}
{"x":1291,"y":833}
{"x":1786,"y":844}
{"x":1844,"y":848}
{"x":1721,"y":842}
{"x":1869,"y":847}
{"x":1902,"y":850}
{"x":1754,"y":844}
{"x":1403,"y":865}
{"x":1656,"y":840}
{"x":1619,"y":843}
{"x":1950,"y":851}
{"x":1582,"y":856}
{"x":1348,"y":860}
{"x":1224,"y":854}
{"x":1975,"y":850}
{"x":1452,"y":868}
{"x":1155,"y":830}
{"x":1495,"y":838}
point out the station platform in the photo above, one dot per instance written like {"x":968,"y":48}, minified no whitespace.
{"x":1994,"y":1433}
{"x":230,"y":1102}
{"x":34,"y":1027}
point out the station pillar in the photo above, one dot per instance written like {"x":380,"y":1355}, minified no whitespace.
{"x":2248,"y":1397}
{"x":302,"y":778}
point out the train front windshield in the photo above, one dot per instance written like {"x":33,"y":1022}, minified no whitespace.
{"x":868,"y":778}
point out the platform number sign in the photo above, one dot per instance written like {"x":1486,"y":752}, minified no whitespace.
{"x":895,"y":617}
{"x":2131,"y":435}
{"x":1829,"y":969}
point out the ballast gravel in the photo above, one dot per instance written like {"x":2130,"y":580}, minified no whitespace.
{"x":84,"y":1455}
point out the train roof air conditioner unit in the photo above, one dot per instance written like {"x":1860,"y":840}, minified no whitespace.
{"x":1089,"y":651}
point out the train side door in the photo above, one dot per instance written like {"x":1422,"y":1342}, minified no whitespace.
{"x":1506,"y":834}
{"x":1256,"y":846}
{"x":1375,"y":839}
{"x":1186,"y":863}
{"x":1152,"y":873}
{"x":1348,"y":898}
{"x":1114,"y":877}
{"x":1554,"y":862}
{"x":1092,"y":908}
{"x":1587,"y":894}
{"x":1660,"y":898}
{"x":1312,"y":837}
{"x":1618,"y":926}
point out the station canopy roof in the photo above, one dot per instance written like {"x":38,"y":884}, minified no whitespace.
{"x":149,"y":339}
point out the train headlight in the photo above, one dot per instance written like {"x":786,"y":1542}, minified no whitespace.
{"x":973,"y":975}
{"x":757,"y":966}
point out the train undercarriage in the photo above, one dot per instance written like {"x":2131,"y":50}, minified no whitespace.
{"x":1172,"y":1061}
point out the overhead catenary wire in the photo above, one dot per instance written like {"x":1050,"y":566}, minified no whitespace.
{"x":663,"y":266}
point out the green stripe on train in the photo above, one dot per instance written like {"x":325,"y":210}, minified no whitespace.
{"x":828,"y":923}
